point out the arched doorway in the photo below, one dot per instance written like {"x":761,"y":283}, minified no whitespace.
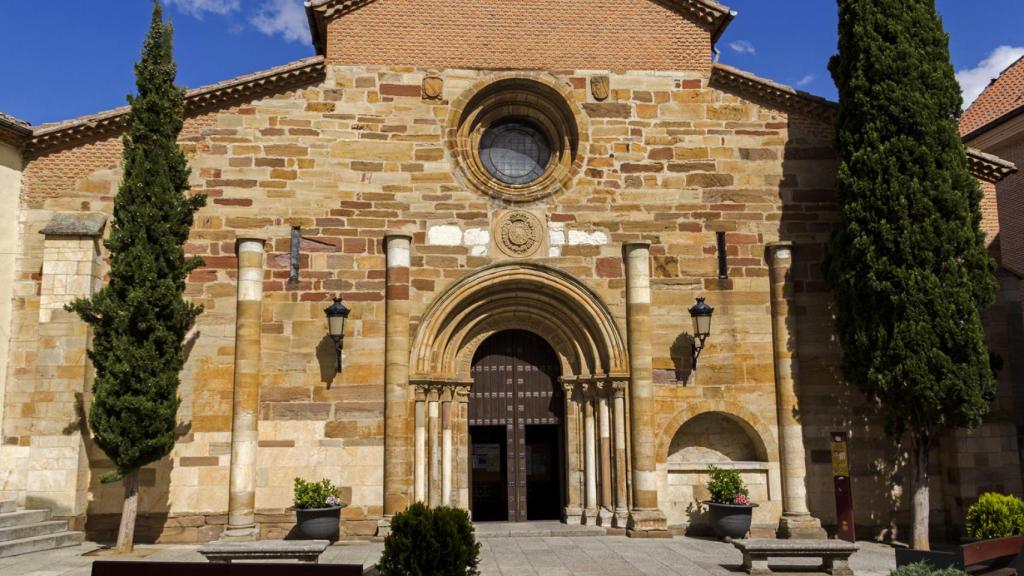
{"x":516,"y":410}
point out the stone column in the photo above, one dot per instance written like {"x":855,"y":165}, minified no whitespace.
{"x":573,"y":513}
{"x":645,"y":519}
{"x":621,"y":496}
{"x":604,"y":453}
{"x":590,"y":456}
{"x":246,"y":392}
{"x":421,"y":445}
{"x":433,"y":448}
{"x":796,"y":521}
{"x":461,"y":427}
{"x":446,"y":448}
{"x":397,"y":449}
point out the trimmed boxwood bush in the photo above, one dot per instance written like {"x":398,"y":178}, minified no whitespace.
{"x":995,"y":516}
{"x":922,"y":569}
{"x":430,"y":542}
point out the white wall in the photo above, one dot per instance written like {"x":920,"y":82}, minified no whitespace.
{"x":10,"y":193}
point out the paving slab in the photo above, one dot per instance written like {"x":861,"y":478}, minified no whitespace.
{"x":519,"y":556}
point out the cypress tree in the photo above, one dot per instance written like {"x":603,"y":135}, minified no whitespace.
{"x":140,"y":317}
{"x":908,"y":261}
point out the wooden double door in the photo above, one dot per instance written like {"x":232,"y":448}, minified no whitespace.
{"x":516,"y":410}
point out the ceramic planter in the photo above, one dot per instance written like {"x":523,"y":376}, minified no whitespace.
{"x":731,"y":521}
{"x":318,"y":523}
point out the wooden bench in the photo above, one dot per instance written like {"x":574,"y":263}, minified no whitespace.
{"x":834,"y":554}
{"x":146,"y":568}
{"x":302,"y":550}
{"x":988,"y":557}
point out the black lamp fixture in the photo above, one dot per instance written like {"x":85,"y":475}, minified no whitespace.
{"x":701,"y":314}
{"x":336,"y":315}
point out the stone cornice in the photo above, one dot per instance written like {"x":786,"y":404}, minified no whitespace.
{"x":745,"y":84}
{"x":14,"y":131}
{"x":69,"y":133}
{"x":988,"y":167}
{"x":709,"y":12}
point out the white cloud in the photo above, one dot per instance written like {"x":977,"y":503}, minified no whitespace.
{"x":284,"y":17}
{"x":805,"y":80}
{"x":197,"y":8}
{"x":743,"y":47}
{"x":973,"y":81}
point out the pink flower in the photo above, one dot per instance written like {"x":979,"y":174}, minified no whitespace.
{"x":741,"y":500}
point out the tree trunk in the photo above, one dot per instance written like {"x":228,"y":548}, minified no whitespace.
{"x":126,"y":532}
{"x":920,"y":487}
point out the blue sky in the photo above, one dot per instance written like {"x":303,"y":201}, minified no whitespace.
{"x":83,"y":63}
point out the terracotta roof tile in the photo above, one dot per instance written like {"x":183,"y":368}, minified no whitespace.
{"x":1004,"y":95}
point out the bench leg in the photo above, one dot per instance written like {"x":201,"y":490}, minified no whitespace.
{"x":837,"y":566}
{"x":756,"y":565}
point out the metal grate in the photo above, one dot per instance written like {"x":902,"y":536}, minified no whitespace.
{"x":515,"y":152}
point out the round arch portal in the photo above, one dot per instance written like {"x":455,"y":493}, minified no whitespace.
{"x":592,"y":362}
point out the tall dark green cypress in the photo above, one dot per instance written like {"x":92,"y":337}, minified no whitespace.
{"x":140,"y":317}
{"x":908,"y":262}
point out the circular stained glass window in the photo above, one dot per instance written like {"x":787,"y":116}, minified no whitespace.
{"x":515,"y":152}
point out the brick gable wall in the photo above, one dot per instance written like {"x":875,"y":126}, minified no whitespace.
{"x":525,"y":34}
{"x":1010,"y":194}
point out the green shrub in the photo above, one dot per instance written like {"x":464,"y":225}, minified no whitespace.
{"x":429,"y":542}
{"x":725,"y":485}
{"x":320,"y":494}
{"x":922,"y":569}
{"x":995,"y":516}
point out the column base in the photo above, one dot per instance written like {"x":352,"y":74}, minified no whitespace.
{"x":384,"y":527}
{"x":801,"y":527}
{"x":572,"y":516}
{"x":621,"y":518}
{"x":647,"y":523}
{"x":604,"y":517}
{"x":591,"y":517}
{"x":241,"y":533}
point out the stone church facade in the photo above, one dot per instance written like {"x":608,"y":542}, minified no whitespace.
{"x":519,"y":202}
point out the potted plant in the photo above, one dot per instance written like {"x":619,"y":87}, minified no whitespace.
{"x":730,"y":507}
{"x":317,"y":509}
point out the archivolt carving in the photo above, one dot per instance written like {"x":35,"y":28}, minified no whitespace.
{"x":522,"y":296}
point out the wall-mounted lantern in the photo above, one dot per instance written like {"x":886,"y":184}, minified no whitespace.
{"x":701,"y":314}
{"x":336,"y":315}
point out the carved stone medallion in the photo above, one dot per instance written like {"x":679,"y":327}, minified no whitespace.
{"x":519,"y":234}
{"x":599,"y":87}
{"x":432,"y":87}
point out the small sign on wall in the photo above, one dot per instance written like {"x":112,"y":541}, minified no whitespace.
{"x":845,"y":527}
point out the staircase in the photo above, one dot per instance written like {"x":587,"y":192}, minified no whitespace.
{"x":24,"y":531}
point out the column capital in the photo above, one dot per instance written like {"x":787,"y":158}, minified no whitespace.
{"x":619,"y":388}
{"x":389,"y":236}
{"x":250,"y":237}
{"x":779,"y":250}
{"x":631,"y":244}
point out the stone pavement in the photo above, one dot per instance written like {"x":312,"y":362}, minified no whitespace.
{"x":519,"y":556}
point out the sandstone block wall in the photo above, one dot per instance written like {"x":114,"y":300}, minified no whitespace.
{"x":670,"y":159}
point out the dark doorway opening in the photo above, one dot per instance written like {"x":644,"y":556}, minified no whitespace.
{"x":515,"y":427}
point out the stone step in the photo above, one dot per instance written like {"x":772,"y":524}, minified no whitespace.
{"x":32,"y":530}
{"x":8,"y":506}
{"x":23,"y":517}
{"x":40,"y":543}
{"x":542,"y":529}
